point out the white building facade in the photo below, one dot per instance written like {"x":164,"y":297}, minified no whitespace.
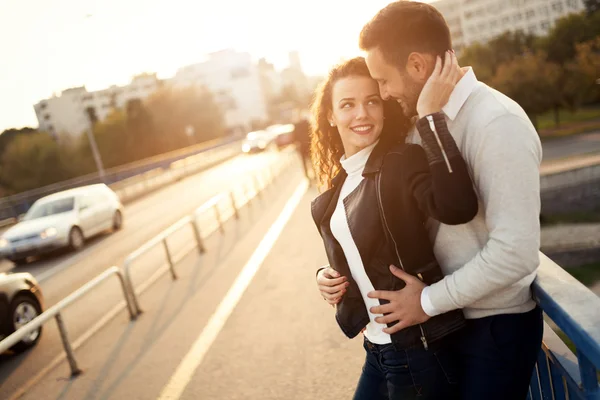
{"x":473,"y":21}
{"x":236,"y":84}
{"x":69,"y":113}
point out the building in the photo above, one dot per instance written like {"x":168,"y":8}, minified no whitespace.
{"x":473,"y":21}
{"x":70,"y":112}
{"x":236,"y":84}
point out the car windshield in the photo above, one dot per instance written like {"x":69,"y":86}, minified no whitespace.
{"x":50,"y":208}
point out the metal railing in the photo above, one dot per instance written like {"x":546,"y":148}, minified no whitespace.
{"x":229,"y":200}
{"x":55,"y":312}
{"x":124,"y":275}
{"x":173,"y":165}
{"x":560,"y":373}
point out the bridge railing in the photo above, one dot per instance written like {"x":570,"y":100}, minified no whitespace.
{"x":574,"y":309}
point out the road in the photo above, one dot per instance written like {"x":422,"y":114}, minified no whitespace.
{"x":571,"y":146}
{"x":143,"y":219}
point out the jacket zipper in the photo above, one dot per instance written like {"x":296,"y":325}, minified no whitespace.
{"x":439,"y":142}
{"x":423,"y":339}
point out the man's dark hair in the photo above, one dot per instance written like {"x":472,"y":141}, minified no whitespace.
{"x":404,"y":27}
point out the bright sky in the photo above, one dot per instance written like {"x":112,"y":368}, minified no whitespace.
{"x":50,"y":45}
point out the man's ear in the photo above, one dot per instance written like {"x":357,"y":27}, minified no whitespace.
{"x":420,"y":65}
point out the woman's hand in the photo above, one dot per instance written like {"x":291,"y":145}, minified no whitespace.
{"x":331,"y":285}
{"x":439,"y":86}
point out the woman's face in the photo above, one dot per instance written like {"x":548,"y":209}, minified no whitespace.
{"x":357,"y":112}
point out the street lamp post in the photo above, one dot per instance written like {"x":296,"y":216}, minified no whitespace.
{"x":90,"y":134}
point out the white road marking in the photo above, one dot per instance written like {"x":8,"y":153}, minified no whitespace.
{"x":184,"y":372}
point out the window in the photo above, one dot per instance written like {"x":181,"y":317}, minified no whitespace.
{"x":40,"y":210}
{"x":530,"y":14}
{"x":544,"y":11}
{"x":239,"y":73}
{"x":494,"y":23}
{"x":558,"y":7}
{"x":572,"y":4}
{"x":545,"y":26}
{"x":518,"y":17}
{"x":47,"y":117}
{"x":43,"y":106}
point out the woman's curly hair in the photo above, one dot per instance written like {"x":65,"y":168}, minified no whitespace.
{"x":326,"y":144}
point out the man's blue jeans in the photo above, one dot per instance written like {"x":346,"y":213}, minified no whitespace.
{"x":414,"y":373}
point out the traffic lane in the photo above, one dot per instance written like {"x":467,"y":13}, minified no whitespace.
{"x":143,"y":219}
{"x":16,"y":370}
{"x":571,"y":146}
{"x":197,"y":185}
{"x":135,"y":360}
{"x":282,"y":341}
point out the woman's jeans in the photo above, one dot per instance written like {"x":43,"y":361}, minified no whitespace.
{"x":413,"y":373}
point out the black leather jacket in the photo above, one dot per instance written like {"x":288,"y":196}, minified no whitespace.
{"x":403,"y":185}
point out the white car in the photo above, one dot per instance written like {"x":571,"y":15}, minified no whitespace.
{"x":257,"y":141}
{"x":64,"y":219}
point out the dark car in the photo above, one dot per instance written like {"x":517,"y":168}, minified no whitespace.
{"x":20,"y":301}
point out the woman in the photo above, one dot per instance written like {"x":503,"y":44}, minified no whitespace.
{"x":380,"y":191}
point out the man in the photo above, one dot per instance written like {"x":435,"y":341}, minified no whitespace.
{"x":491,"y":261}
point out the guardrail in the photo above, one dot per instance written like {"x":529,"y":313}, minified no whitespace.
{"x":132,"y":180}
{"x":192,"y":220}
{"x":560,"y":373}
{"x":124,"y":275}
{"x":55,"y":312}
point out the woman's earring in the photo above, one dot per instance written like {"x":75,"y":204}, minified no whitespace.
{"x":331,"y":123}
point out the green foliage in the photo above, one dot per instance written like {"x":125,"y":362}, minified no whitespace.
{"x":140,"y":130}
{"x":554,"y":72}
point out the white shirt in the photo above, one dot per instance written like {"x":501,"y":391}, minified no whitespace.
{"x":354,"y":167}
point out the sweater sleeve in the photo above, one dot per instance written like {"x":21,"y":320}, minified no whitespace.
{"x":505,"y":165}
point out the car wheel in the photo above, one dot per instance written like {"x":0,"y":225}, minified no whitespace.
{"x":76,"y":239}
{"x":117,"y":220}
{"x":23,"y":309}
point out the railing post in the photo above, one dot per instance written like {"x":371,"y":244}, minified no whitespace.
{"x":134,"y":299}
{"x":589,"y":379}
{"x":67,"y":345}
{"x":218,"y":216}
{"x":130,"y":306}
{"x":169,"y":259}
{"x":235,"y":209}
{"x":197,"y":235}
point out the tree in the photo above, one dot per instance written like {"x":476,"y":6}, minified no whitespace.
{"x":582,"y":73}
{"x":174,"y":110}
{"x":531,"y":81}
{"x":486,"y":58}
{"x":34,"y":160}
{"x":9,"y":134}
{"x":560,"y":43}
{"x":592,"y":6}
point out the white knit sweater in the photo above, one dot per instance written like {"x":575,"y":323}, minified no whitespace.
{"x":491,"y":261}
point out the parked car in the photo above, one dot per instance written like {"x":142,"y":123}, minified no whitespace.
{"x":21,"y":301}
{"x":64,"y":219}
{"x":257,"y":141}
{"x":283,"y":134}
